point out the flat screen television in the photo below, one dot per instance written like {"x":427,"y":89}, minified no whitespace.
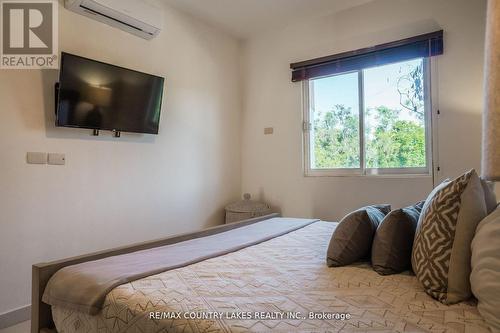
{"x":95,"y":95}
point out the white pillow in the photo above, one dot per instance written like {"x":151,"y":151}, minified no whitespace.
{"x":485,"y":276}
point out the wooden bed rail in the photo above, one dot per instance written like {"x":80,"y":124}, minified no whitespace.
{"x":41,"y":315}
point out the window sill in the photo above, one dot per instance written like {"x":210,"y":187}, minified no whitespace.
{"x":314,"y":174}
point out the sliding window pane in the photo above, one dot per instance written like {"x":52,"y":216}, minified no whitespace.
{"x":395,"y":115}
{"x":334,"y":114}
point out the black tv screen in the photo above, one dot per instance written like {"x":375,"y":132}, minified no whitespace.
{"x":97,"y":95}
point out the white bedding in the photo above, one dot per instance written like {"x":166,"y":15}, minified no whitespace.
{"x":285,"y":275}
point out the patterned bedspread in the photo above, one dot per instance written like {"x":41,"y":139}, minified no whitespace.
{"x":282,"y":285}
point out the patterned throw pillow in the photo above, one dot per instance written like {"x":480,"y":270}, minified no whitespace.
{"x":441,"y":251}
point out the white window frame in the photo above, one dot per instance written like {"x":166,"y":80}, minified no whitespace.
{"x":308,"y":137}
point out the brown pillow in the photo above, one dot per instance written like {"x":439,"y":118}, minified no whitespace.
{"x":352,"y":239}
{"x":441,"y":256}
{"x":393,"y":242}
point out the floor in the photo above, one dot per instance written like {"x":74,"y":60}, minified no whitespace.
{"x":23,"y":327}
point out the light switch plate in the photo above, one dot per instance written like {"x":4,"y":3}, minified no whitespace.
{"x":36,"y":158}
{"x":57,"y":159}
{"x":268,"y":130}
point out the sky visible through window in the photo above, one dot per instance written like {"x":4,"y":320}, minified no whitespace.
{"x":380,"y":88}
{"x":393,"y":118}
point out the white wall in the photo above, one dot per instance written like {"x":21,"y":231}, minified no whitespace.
{"x":272,"y":165}
{"x":118,"y":191}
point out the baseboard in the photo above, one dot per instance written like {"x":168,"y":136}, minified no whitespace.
{"x":16,"y":316}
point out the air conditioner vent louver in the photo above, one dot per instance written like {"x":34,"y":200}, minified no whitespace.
{"x":114,"y":19}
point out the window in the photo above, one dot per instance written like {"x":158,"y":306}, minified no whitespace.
{"x":369,"y":121}
{"x":368,"y":111}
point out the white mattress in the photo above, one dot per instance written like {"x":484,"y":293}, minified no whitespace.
{"x":286,"y":276}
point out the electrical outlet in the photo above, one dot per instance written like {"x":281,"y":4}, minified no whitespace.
{"x":36,"y":158}
{"x":57,"y":159}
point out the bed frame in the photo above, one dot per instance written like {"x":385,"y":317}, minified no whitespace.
{"x":41,"y":314}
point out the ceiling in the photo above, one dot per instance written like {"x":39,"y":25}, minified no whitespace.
{"x":244,"y":18}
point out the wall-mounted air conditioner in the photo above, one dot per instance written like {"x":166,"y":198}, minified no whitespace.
{"x":134,"y":16}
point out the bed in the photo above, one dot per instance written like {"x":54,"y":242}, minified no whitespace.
{"x":280,"y":285}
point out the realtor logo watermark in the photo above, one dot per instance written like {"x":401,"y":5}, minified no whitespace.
{"x":29,"y":34}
